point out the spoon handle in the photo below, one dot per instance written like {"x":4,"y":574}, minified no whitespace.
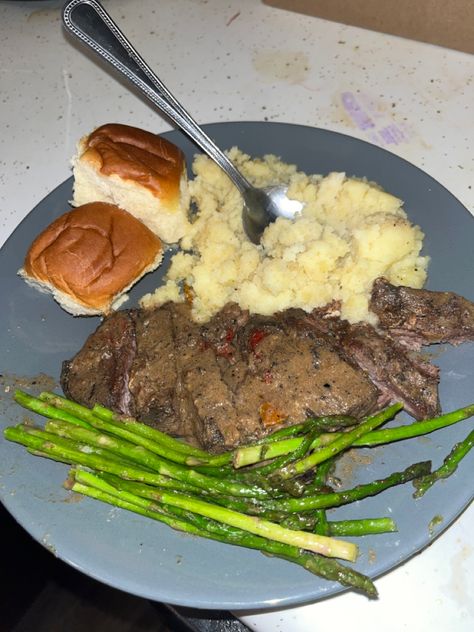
{"x":88,"y":20}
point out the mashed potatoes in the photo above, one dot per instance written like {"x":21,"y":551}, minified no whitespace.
{"x":349,"y":233}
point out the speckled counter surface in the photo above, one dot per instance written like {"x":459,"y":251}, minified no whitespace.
{"x":239,"y":61}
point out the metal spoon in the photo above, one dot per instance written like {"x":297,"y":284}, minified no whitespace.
{"x":89,"y":21}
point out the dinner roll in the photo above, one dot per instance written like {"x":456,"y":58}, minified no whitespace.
{"x":139,"y":171}
{"x":89,"y":257}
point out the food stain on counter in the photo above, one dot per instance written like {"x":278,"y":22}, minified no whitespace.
{"x":287,"y":66}
{"x":44,"y":16}
{"x":377,"y":118}
{"x":458,"y":585}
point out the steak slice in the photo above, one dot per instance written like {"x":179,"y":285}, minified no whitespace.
{"x":99,"y":372}
{"x":153,"y":373}
{"x":291,"y":378}
{"x":399,"y":376}
{"x":293,"y":372}
{"x":201,"y":392}
{"x":422,"y":317}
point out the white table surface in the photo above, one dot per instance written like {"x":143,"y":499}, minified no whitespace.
{"x":239,"y":60}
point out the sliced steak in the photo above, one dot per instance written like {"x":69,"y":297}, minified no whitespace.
{"x":239,"y":376}
{"x":201,"y":391}
{"x":221,"y":384}
{"x":99,"y":373}
{"x":421,"y":317}
{"x":398,"y":376}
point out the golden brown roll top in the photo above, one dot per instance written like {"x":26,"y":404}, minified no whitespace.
{"x":89,"y":257}
{"x":134,"y":154}
{"x":139,"y":171}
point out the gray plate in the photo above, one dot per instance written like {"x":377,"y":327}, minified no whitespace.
{"x":149,"y":559}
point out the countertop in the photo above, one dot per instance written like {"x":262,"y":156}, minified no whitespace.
{"x":256,"y":63}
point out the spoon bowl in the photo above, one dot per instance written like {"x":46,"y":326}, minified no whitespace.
{"x":263,"y":206}
{"x":88,"y":21}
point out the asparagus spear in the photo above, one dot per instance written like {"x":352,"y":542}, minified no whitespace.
{"x":327,"y":568}
{"x":86,"y":448}
{"x":320,"y":477}
{"x":323,"y":424}
{"x":448,"y":467}
{"x":122,"y":431}
{"x":312,"y":542}
{"x":340,"y":528}
{"x":149,"y":432}
{"x":142,"y":456}
{"x":253,"y":454}
{"x":90,"y":416}
{"x":318,"y":544}
{"x":326,"y":423}
{"x":248,"y":455}
{"x":42,"y":443}
{"x":335,"y":499}
{"x":56,"y":407}
{"x":336,"y":447}
{"x":304,"y":521}
{"x":47,"y":410}
{"x":416,"y":429}
{"x":285,"y":460}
